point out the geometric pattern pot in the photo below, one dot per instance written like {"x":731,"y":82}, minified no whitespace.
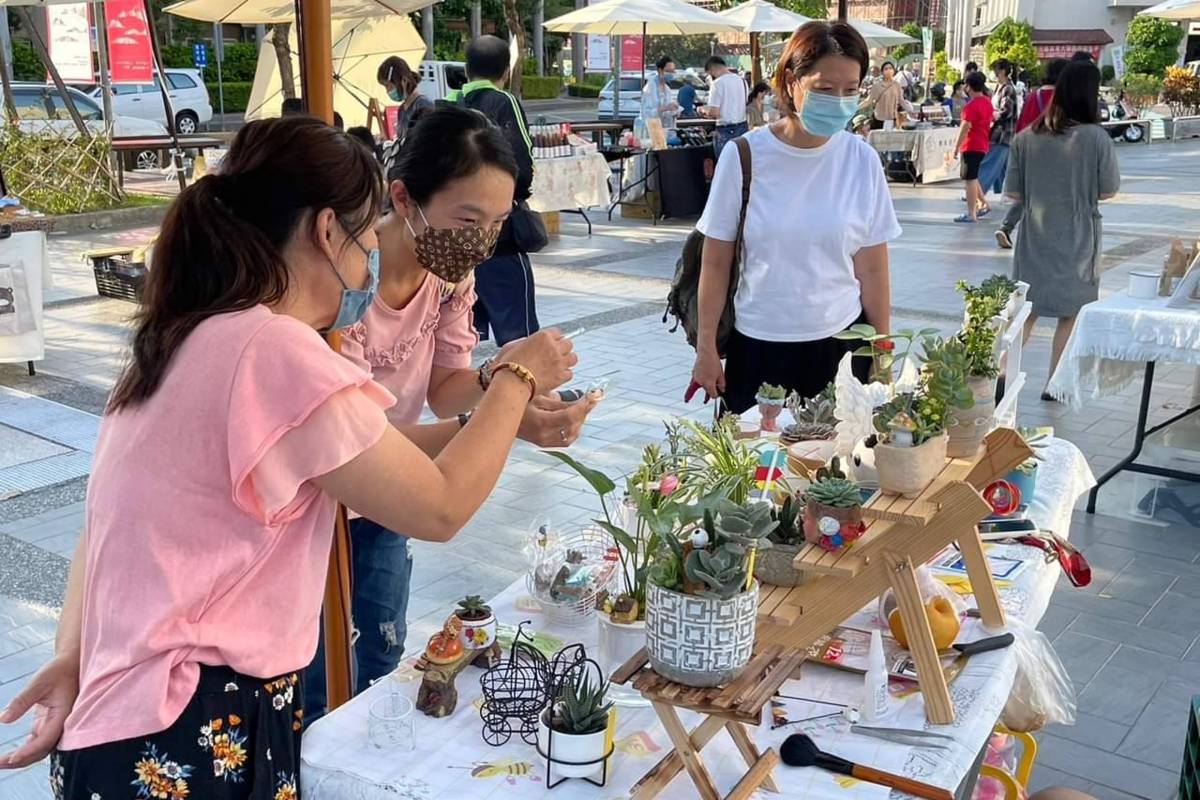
{"x":699,"y":641}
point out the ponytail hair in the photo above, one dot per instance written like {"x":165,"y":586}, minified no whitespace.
{"x":221,"y":245}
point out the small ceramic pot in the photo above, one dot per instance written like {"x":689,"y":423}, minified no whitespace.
{"x":774,"y":566}
{"x":478,"y":634}
{"x":967,"y":427}
{"x":699,"y":641}
{"x":570,"y":751}
{"x":1024,"y":482}
{"x":770,"y":411}
{"x":908,"y":471}
{"x":846,"y":525}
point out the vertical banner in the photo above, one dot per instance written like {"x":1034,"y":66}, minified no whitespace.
{"x":599,"y":53}
{"x":631,"y":54}
{"x":70,"y":41}
{"x":1118,"y":60}
{"x":129,"y":53}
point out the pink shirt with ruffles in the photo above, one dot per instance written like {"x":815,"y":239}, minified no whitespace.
{"x":207,"y":542}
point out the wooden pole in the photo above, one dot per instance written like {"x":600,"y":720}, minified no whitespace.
{"x":842,"y":10}
{"x":316,"y":58}
{"x":101,"y":22}
{"x":35,"y":38}
{"x":156,"y":50}
{"x":755,"y":60}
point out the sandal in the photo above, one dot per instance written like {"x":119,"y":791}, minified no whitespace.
{"x":986,"y":210}
{"x":964,"y":218}
{"x":1048,"y":398}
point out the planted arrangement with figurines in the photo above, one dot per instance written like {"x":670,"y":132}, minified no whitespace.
{"x":770,"y":399}
{"x":832,"y":509}
{"x":814,"y":418}
{"x":701,"y":599}
{"x":774,"y":565}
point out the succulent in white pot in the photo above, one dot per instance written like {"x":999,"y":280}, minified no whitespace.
{"x":578,"y":718}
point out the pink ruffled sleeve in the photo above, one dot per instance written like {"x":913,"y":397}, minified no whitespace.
{"x":455,"y":336}
{"x":297,"y":410}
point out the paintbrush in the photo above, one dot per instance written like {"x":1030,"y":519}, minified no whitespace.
{"x":799,"y":750}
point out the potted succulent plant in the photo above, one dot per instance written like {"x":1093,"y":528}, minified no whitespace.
{"x":977,"y":346}
{"x":774,"y":565}
{"x":701,"y":599}
{"x":770,"y":403}
{"x":814,"y":418}
{"x":832,"y":509}
{"x":579,"y":719}
{"x":478,"y":623}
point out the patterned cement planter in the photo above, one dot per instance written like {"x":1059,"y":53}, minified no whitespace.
{"x":774,"y":566}
{"x":699,"y":641}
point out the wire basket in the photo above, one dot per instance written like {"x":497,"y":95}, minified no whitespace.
{"x":596,"y":547}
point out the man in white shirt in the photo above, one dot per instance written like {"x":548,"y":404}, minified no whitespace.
{"x":727,"y":98}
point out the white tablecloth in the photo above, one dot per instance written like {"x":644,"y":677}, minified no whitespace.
{"x":570,"y":183}
{"x":1114,"y":336}
{"x":26,"y":252}
{"x":339,"y":764}
{"x":932,"y":150}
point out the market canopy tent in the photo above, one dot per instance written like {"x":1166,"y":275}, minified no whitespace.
{"x":760,"y":16}
{"x":1174,"y":9}
{"x":359,"y":45}
{"x":265,"y":12}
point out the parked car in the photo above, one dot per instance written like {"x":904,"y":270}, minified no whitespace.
{"x":439,"y":78}
{"x":41,"y":107}
{"x":190,"y":103}
{"x":631,"y":92}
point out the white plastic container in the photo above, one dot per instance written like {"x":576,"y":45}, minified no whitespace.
{"x":876,"y":702}
{"x":1143,"y":284}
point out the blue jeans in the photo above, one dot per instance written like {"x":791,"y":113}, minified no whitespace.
{"x":993,"y":169}
{"x":505,"y":304}
{"x":724,"y":134}
{"x":382,"y":571}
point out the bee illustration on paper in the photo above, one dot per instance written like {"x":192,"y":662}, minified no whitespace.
{"x":638,"y":745}
{"x":510,"y":769}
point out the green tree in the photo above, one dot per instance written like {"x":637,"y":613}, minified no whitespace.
{"x":903,"y":51}
{"x":813,"y":9}
{"x":1014,"y":41}
{"x":26,"y":65}
{"x":1151,"y":45}
{"x":942,"y":71}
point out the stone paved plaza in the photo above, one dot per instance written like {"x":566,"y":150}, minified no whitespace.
{"x":1129,"y":640}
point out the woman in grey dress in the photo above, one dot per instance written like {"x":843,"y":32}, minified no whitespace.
{"x":1060,"y":169}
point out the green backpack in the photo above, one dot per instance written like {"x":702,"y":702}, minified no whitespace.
{"x":683,"y":300}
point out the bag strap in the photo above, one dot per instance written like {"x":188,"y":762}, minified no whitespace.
{"x":743,"y":148}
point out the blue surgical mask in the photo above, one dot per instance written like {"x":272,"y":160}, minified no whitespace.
{"x":825,"y":115}
{"x":668,"y":76}
{"x":355,"y":302}
{"x":395,"y":94}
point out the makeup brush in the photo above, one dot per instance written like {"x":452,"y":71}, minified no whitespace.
{"x":799,"y":750}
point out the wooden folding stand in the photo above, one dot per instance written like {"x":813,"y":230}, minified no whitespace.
{"x":901,"y":534}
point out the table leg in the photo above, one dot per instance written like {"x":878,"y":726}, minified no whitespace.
{"x":990,"y":610}
{"x":749,"y":751}
{"x":685,"y":755}
{"x":32,"y":371}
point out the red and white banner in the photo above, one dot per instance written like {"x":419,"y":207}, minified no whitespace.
{"x":129,"y":54}
{"x":70,"y":41}
{"x":631,"y":54}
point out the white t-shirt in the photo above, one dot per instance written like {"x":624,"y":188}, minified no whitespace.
{"x":810,"y":211}
{"x":729,"y":94}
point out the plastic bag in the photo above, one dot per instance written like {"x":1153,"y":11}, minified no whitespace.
{"x":1042,"y":692}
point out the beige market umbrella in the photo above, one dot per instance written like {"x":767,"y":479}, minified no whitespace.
{"x":879,"y":36}
{"x":255,"y":12}
{"x":1174,"y":9}
{"x":760,"y":16}
{"x":359,"y":45}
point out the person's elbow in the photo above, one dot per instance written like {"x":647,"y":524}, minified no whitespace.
{"x":439,"y":404}
{"x":439,"y":524}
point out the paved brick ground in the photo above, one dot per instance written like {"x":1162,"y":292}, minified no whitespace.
{"x":1129,"y":640}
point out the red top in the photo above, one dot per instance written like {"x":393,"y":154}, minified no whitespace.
{"x":978,"y":112}
{"x":1036,"y":103}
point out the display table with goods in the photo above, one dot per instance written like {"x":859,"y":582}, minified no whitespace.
{"x":869,"y":653}
{"x":928,"y":152}
{"x":1121,"y":335}
{"x":571,"y":183}
{"x":24,"y":277}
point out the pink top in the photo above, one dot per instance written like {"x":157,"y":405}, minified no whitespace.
{"x":206,"y":543}
{"x":403,"y":346}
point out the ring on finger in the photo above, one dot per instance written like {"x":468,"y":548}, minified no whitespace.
{"x":562,"y":434}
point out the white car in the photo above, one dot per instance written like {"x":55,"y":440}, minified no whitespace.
{"x":631,"y":93}
{"x":439,"y":78}
{"x":185,"y":87}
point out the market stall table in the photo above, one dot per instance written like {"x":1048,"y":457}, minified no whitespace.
{"x":24,"y":277}
{"x":1112,"y":338}
{"x":451,"y":759}
{"x":572,"y":184}
{"x":929,"y":150}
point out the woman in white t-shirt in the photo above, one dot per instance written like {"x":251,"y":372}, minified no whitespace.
{"x":817,"y":226}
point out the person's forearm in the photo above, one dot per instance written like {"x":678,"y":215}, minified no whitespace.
{"x":456,"y":393}
{"x":963,"y":130}
{"x":716,"y":268}
{"x":871,"y":269}
{"x":70,"y":624}
{"x":431,"y":438}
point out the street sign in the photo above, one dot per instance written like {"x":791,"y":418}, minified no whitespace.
{"x":599,"y":53}
{"x":927,"y":42}
{"x":200,"y":55}
{"x":1118,"y":60}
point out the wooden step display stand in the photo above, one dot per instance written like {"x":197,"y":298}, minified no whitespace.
{"x":901,"y":534}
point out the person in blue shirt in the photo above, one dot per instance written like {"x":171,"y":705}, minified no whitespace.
{"x":686,"y":97}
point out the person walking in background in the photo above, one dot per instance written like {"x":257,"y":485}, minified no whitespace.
{"x":727,"y":96}
{"x":686,"y":97}
{"x":958,"y":99}
{"x":1004,"y":123}
{"x":756,"y":112}
{"x":1062,"y":167}
{"x":886,"y":99}
{"x":973,"y":143}
{"x":816,"y":236}
{"x":970,"y":67}
{"x":656,"y":95}
{"x":1035,"y":105}
{"x":504,"y":283}
{"x":401,"y":83}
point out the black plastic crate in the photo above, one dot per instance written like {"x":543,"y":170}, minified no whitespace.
{"x":119,"y":278}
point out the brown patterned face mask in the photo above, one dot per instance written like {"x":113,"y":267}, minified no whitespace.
{"x":451,"y":253}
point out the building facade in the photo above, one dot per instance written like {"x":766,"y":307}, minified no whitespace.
{"x":894,"y":13}
{"x":1060,"y":27}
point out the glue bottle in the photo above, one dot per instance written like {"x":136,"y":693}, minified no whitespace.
{"x":876,"y":700}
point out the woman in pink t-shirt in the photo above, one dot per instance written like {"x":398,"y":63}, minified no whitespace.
{"x":452,"y":178}
{"x":229,"y":438}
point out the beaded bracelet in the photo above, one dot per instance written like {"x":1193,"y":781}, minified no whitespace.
{"x":521,"y":372}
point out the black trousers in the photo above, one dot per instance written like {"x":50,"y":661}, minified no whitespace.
{"x":802,"y":367}
{"x":506,"y":306}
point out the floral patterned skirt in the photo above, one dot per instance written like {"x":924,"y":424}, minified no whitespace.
{"x":237,"y":739}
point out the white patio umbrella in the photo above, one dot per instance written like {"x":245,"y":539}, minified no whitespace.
{"x":760,"y":16}
{"x":879,"y":36}
{"x":255,"y":12}
{"x":1174,"y":9}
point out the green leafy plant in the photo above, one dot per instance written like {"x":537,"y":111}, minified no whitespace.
{"x":769,"y":391}
{"x":942,"y":384}
{"x":472,"y":607}
{"x":717,"y":556}
{"x":712,"y":461}
{"x":788,"y":530}
{"x":883,"y":346}
{"x":831,"y":487}
{"x":943,"y":71}
{"x":1141,"y":89}
{"x":56,"y":173}
{"x":1181,"y":89}
{"x":979,"y":332}
{"x":1151,"y":45}
{"x":1013,"y":40}
{"x":581,"y":708}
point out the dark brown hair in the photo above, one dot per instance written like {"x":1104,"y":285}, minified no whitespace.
{"x":1075,"y":101}
{"x":221,"y":245}
{"x":811,"y":42}
{"x":395,"y":70}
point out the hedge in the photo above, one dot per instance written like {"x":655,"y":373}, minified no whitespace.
{"x":540,"y":87}
{"x":239,"y":64}
{"x":237,"y":95}
{"x":583,"y":90}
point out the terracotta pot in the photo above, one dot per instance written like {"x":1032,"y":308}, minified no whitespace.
{"x":909,"y":470}
{"x":850,"y":525}
{"x":770,"y":411}
{"x":774,"y":566}
{"x":967,"y":427}
{"x":699,"y":641}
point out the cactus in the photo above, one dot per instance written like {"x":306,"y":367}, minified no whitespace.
{"x":788,"y":517}
{"x":721,"y":566}
{"x":581,"y":708}
{"x":472,"y":607}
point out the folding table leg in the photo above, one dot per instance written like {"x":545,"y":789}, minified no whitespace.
{"x":671,"y":765}
{"x":688,"y":753}
{"x":749,"y":750}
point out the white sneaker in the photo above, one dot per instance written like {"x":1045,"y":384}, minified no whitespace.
{"x":1003,"y":239}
